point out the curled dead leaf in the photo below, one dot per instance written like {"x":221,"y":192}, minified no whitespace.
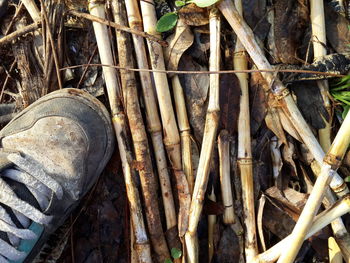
{"x":194,"y":15}
{"x":179,"y":42}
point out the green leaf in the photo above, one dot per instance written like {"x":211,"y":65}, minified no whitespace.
{"x":167,"y":22}
{"x":345,"y":112}
{"x":176,"y":253}
{"x":180,"y":3}
{"x":203,"y":3}
{"x":168,"y":260}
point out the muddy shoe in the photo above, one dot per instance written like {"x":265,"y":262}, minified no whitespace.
{"x":51,"y":154}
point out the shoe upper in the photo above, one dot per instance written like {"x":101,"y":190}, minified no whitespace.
{"x":58,"y":146}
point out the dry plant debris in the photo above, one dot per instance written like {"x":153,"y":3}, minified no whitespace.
{"x":230,"y":118}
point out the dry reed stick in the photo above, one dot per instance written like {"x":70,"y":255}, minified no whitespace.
{"x":139,"y":136}
{"x":171,"y":133}
{"x":229,"y":216}
{"x":142,"y":245}
{"x":185,"y":131}
{"x":211,"y":227}
{"x":244,"y":158}
{"x":319,"y":44}
{"x":153,"y":123}
{"x":330,"y":164}
{"x":246,"y":36}
{"x":340,"y":208}
{"x":210,"y":128}
{"x":334,"y":251}
{"x":32,"y":9}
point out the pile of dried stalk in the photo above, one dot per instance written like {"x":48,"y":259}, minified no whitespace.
{"x":229,"y":146}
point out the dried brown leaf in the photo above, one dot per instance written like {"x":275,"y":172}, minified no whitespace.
{"x":194,"y":16}
{"x":179,"y":42}
{"x":292,"y":201}
{"x":274,"y":124}
{"x":196,"y":88}
{"x":337,"y":28}
{"x":288,"y":126}
{"x":229,"y":102}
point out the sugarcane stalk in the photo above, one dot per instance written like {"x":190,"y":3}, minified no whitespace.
{"x":331,"y":163}
{"x":185,"y":131}
{"x":142,"y":245}
{"x":139,"y":136}
{"x":229,"y":216}
{"x":245,"y":160}
{"x":211,"y":227}
{"x":340,"y":208}
{"x":287,"y":103}
{"x":210,"y":129}
{"x":153,"y":122}
{"x":319,"y":43}
{"x":171,"y":133}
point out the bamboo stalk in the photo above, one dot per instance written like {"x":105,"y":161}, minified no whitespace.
{"x":229,"y":216}
{"x":32,"y":9}
{"x":245,"y":160}
{"x":246,"y":36}
{"x":133,"y":253}
{"x":139,"y":136}
{"x":185,"y":131}
{"x":153,"y":122}
{"x":171,"y":133}
{"x":210,"y":128}
{"x":142,"y":245}
{"x":211,"y":227}
{"x":331,"y":163}
{"x":334,"y":251}
{"x":340,"y":208}
{"x":319,"y":43}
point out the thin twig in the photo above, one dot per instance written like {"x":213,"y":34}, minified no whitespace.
{"x":20,"y":32}
{"x":211,"y":71}
{"x":18,"y":10}
{"x":86,"y":68}
{"x":8,"y":76}
{"x":53,"y":47}
{"x":118,"y":27}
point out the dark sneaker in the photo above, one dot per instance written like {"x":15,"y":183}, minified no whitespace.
{"x":51,"y":154}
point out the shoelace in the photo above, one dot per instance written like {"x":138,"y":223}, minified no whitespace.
{"x":31,"y":174}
